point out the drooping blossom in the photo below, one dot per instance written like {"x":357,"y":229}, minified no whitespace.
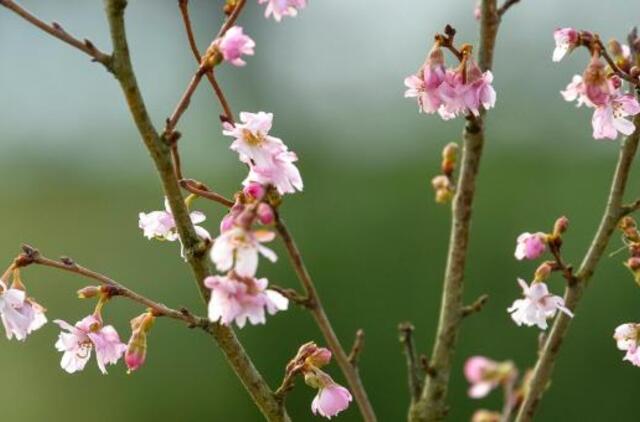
{"x":234,"y":44}
{"x":281,"y":8}
{"x":485,"y":374}
{"x":425,"y":84}
{"x":627,"y":337}
{"x":566,"y":40}
{"x":480,"y":92}
{"x":80,"y":340}
{"x":20,"y":314}
{"x":530,"y":246}
{"x":537,"y":306}
{"x":162,"y":226}
{"x":331,"y":399}
{"x":238,"y":249}
{"x":270,"y":161}
{"x":239,"y":299}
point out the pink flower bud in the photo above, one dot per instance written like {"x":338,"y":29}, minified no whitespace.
{"x":254,"y":191}
{"x":89,"y":292}
{"x":136,"y":352}
{"x":560,"y":226}
{"x":566,"y":40}
{"x":233,"y":44}
{"x":266,"y":214}
{"x":320,"y":357}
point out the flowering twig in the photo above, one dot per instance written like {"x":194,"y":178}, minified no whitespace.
{"x":31,"y":256}
{"x":414,"y":372}
{"x":58,"y":32}
{"x":432,"y":403}
{"x":613,"y":212}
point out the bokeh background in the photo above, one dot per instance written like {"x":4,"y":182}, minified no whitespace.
{"x":74,"y":175}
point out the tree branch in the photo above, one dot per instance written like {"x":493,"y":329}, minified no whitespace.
{"x":58,"y":32}
{"x":432,"y":405}
{"x":32,"y":256}
{"x":414,"y":372}
{"x":613,"y":212}
{"x":194,"y":247}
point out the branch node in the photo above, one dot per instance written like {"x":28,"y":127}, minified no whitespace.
{"x":356,"y":349}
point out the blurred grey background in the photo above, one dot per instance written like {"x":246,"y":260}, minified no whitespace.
{"x":74,"y":175}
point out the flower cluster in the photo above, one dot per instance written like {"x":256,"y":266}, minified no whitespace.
{"x":451,"y":92}
{"x":599,"y":87}
{"x":332,"y":398}
{"x":280,"y":8}
{"x":538,"y":304}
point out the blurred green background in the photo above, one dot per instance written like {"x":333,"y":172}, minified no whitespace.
{"x":74,"y":175}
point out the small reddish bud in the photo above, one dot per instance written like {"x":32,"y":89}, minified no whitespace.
{"x":561,"y":225}
{"x":319,"y":358}
{"x":254,"y":191}
{"x":543,"y":271}
{"x":136,"y":352}
{"x":89,"y":292}
{"x":265,"y":214}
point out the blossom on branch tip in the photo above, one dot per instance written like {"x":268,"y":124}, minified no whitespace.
{"x":332,"y":398}
{"x":537,"y":306}
{"x":610,"y":119}
{"x":79,"y":341}
{"x":566,"y":40}
{"x":485,"y":374}
{"x":627,"y":337}
{"x":235,"y":298}
{"x":20,"y":314}
{"x":530,"y":246}
{"x":238,"y":249}
{"x":281,"y":8}
{"x":234,"y":44}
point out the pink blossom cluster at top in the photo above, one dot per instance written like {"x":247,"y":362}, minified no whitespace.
{"x":451,"y":92}
{"x":598,"y":88}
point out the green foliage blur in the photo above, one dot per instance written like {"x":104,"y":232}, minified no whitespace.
{"x":74,"y":175}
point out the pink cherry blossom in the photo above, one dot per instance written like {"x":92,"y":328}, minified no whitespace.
{"x":233,"y":44}
{"x":238,"y":248}
{"x":478,"y":370}
{"x":20,"y":315}
{"x":331,"y":399}
{"x":240,"y":299}
{"x":537,"y":306}
{"x":598,"y":87}
{"x":425,"y":85}
{"x":161,"y":224}
{"x":609,"y":119}
{"x":281,"y":172}
{"x":627,"y":337}
{"x":566,"y":40}
{"x":576,"y":91}
{"x":530,"y":246}
{"x":281,"y":8}
{"x":79,"y":341}
{"x":480,"y":92}
{"x":265,"y":213}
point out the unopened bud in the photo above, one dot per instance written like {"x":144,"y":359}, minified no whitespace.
{"x":254,"y":191}
{"x":627,"y":222}
{"x":440,"y":182}
{"x":615,"y":47}
{"x":89,"y":292}
{"x":635,"y":72}
{"x":265,"y":214}
{"x":484,"y":415}
{"x":543,"y":271}
{"x":444,"y":196}
{"x":136,"y":352}
{"x":561,"y":225}
{"x":319,"y":358}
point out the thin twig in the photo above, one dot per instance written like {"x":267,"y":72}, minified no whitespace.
{"x":292,"y":295}
{"x":541,"y":375}
{"x":505,"y":6}
{"x":356,"y":348}
{"x":31,"y":256}
{"x":566,"y":269}
{"x":200,"y":189}
{"x":414,"y":373}
{"x":614,"y":67}
{"x":184,"y":102}
{"x":475,"y":307}
{"x":57,"y":31}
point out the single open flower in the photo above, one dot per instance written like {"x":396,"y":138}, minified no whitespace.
{"x":425,"y":84}
{"x":20,"y":314}
{"x":280,"y":8}
{"x":609,"y":119}
{"x":88,"y":334}
{"x":239,"y":248}
{"x":331,"y":399}
{"x":627,"y":337}
{"x":537,"y":306}
{"x":240,"y":299}
{"x":162,"y":226}
{"x":530,"y":246}
{"x":234,"y":44}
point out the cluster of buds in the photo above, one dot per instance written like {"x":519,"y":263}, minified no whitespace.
{"x":538,"y":304}
{"x":485,"y":375}
{"x":600,"y":86}
{"x":451,"y":92}
{"x":631,"y":235}
{"x":331,"y":398}
{"x":443,"y":184}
